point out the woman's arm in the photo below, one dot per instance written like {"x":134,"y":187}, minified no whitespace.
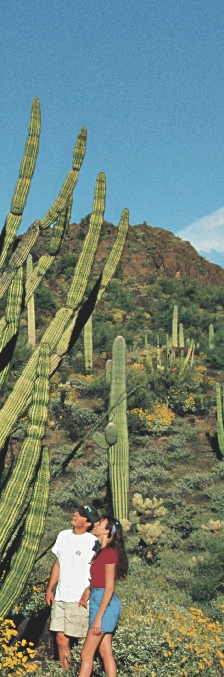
{"x":108,"y":592}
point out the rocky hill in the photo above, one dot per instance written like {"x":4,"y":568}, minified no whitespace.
{"x":148,"y":252}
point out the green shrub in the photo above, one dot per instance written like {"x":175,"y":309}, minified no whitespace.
{"x":44,"y":299}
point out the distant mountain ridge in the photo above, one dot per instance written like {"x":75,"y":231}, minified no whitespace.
{"x":148,"y":252}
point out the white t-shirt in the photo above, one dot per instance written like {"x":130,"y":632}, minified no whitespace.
{"x":74,"y":553}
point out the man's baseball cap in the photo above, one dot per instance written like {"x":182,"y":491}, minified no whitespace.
{"x":89,"y":511}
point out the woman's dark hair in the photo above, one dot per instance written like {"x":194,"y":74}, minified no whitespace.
{"x":117,"y":542}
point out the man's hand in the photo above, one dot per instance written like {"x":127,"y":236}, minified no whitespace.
{"x":85,"y":597}
{"x":49,"y":597}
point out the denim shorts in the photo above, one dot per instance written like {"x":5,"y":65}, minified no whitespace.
{"x":112,"y":613}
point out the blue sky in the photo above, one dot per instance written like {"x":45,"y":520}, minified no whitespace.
{"x":146,"y":79}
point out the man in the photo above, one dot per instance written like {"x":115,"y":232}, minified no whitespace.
{"x":74,"y":549}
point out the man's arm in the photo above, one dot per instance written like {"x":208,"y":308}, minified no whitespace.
{"x":54,"y":576}
{"x":85,"y":597}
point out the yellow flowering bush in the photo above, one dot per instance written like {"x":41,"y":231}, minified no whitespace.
{"x":14,"y":657}
{"x":156,"y":421}
{"x":158,"y":639}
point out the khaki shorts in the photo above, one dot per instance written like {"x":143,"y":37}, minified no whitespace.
{"x":69,"y":618}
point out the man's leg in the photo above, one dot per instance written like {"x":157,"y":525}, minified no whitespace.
{"x":64,"y":650}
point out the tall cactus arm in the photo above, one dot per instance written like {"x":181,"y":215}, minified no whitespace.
{"x":220,"y":430}
{"x":115,"y":254}
{"x":119,"y":452}
{"x":27,"y":167}
{"x":28,"y":239}
{"x":10,"y":322}
{"x":19,"y":256}
{"x":108,"y":272}
{"x":31,"y":307}
{"x":46,"y":261}
{"x":69,"y":183}
{"x":23,"y":472}
{"x":20,"y":396}
{"x":34,"y":528}
{"x":86,"y":258}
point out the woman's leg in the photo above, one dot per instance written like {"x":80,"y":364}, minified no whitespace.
{"x":105,"y":650}
{"x":88,"y":652}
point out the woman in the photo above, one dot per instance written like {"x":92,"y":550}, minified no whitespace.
{"x":110,"y":562}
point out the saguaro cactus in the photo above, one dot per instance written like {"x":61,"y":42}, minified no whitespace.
{"x":119,"y":452}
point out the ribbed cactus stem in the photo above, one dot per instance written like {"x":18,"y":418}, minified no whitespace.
{"x":189,"y":353}
{"x":30,"y":306}
{"x":175,"y":327}
{"x":33,"y":531}
{"x":211,"y":335}
{"x":10,"y":322}
{"x":24,"y":181}
{"x":108,"y":367}
{"x":18,"y":484}
{"x":119,"y":452}
{"x":219,"y":414}
{"x":181,"y":341}
{"x":88,"y":345}
{"x":158,"y":354}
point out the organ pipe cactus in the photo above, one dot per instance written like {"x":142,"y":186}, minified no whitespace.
{"x":219,"y":414}
{"x":32,"y":387}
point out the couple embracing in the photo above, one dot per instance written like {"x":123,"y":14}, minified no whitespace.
{"x":90,"y":556}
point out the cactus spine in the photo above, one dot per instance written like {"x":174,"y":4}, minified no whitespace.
{"x":119,"y":452}
{"x":31,"y":307}
{"x":88,"y":345}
